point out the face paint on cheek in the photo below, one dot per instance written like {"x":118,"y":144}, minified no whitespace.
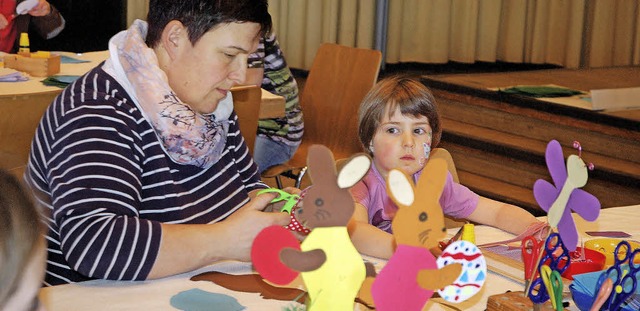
{"x":427,"y":151}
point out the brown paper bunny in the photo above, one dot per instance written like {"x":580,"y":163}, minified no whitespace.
{"x":411,"y":275}
{"x":331,"y":267}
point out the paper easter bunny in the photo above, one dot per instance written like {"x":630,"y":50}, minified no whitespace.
{"x":412,"y":274}
{"x":331,"y":267}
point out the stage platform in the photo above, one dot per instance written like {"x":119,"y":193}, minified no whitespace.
{"x":498,"y":140}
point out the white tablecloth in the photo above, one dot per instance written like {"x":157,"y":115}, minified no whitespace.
{"x":156,"y":294}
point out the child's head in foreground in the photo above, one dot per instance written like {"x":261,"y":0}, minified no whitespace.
{"x":398,"y":124}
{"x":22,"y":247}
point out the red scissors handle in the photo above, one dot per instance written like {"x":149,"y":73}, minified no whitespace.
{"x":530,"y":255}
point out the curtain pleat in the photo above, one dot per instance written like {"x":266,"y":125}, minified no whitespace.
{"x":136,"y":9}
{"x":487,"y":31}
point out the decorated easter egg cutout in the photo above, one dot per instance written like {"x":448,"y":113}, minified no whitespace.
{"x":473,"y":275}
{"x":265,"y":254}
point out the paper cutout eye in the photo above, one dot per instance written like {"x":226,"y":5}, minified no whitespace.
{"x":319,"y":202}
{"x":423,"y":216}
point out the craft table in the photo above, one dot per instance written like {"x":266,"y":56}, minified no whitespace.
{"x":158,"y":294}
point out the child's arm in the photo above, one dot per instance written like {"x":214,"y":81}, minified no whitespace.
{"x":368,"y":239}
{"x":501,"y":215}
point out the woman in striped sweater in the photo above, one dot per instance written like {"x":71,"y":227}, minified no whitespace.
{"x":141,"y":161}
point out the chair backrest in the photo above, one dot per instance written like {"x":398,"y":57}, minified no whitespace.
{"x":19,"y":118}
{"x":338,"y":80}
{"x":441,"y":153}
{"x":246,"y":103}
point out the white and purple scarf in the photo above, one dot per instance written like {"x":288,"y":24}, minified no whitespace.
{"x":188,"y":137}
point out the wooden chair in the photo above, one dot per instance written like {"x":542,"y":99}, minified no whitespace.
{"x":19,"y":118}
{"x":442,"y":153}
{"x":338,"y":80}
{"x":246,"y":103}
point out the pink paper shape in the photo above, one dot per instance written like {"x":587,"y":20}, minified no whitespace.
{"x":396,"y":287}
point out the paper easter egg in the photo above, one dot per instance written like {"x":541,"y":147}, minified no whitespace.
{"x":473,"y":275}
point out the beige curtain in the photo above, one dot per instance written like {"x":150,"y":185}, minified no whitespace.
{"x":569,"y":33}
{"x":302,"y":25}
{"x":136,"y":9}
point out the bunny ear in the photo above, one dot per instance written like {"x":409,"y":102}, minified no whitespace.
{"x":400,"y":188}
{"x":353,"y":171}
{"x":321,"y":165}
{"x":433,"y":179}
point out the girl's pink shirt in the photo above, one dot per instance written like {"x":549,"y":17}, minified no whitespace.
{"x":456,"y":200}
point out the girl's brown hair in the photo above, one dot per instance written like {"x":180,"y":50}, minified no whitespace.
{"x":21,"y":234}
{"x":404,"y":92}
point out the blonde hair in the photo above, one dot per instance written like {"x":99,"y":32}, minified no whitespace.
{"x":21,"y":232}
{"x":396,"y":92}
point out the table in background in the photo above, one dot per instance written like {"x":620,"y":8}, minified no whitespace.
{"x":156,"y":294}
{"x":271,"y":105}
{"x":23,"y":103}
{"x":498,"y":140}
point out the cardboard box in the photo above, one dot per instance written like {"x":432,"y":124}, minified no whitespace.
{"x":37,"y":67}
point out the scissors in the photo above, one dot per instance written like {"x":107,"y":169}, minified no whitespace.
{"x":553,"y":282}
{"x":530,"y":255}
{"x":603,"y":294}
{"x":622,"y":274}
{"x":442,"y":244}
{"x":291,"y":199}
{"x":556,"y":260}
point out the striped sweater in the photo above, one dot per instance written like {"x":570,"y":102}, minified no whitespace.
{"x":97,"y":165}
{"x":279,"y":80}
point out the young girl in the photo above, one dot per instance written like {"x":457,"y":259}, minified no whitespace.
{"x":22,"y":247}
{"x":399,"y":126}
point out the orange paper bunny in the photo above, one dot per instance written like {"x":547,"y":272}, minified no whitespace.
{"x":411,"y":275}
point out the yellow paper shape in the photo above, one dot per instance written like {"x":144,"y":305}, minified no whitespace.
{"x":335,"y":284}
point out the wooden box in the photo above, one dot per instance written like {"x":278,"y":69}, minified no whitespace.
{"x":514,"y":301}
{"x":37,"y":67}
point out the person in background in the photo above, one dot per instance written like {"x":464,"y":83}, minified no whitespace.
{"x":22,"y":247}
{"x":398,"y":125}
{"x":141,"y":161}
{"x":47,"y":21}
{"x":278,"y":139}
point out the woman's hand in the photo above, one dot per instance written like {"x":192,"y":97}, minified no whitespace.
{"x":248,"y":221}
{"x":41,"y":9}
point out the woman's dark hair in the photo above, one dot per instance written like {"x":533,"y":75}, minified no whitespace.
{"x":200,"y":16}
{"x":401,"y":91}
